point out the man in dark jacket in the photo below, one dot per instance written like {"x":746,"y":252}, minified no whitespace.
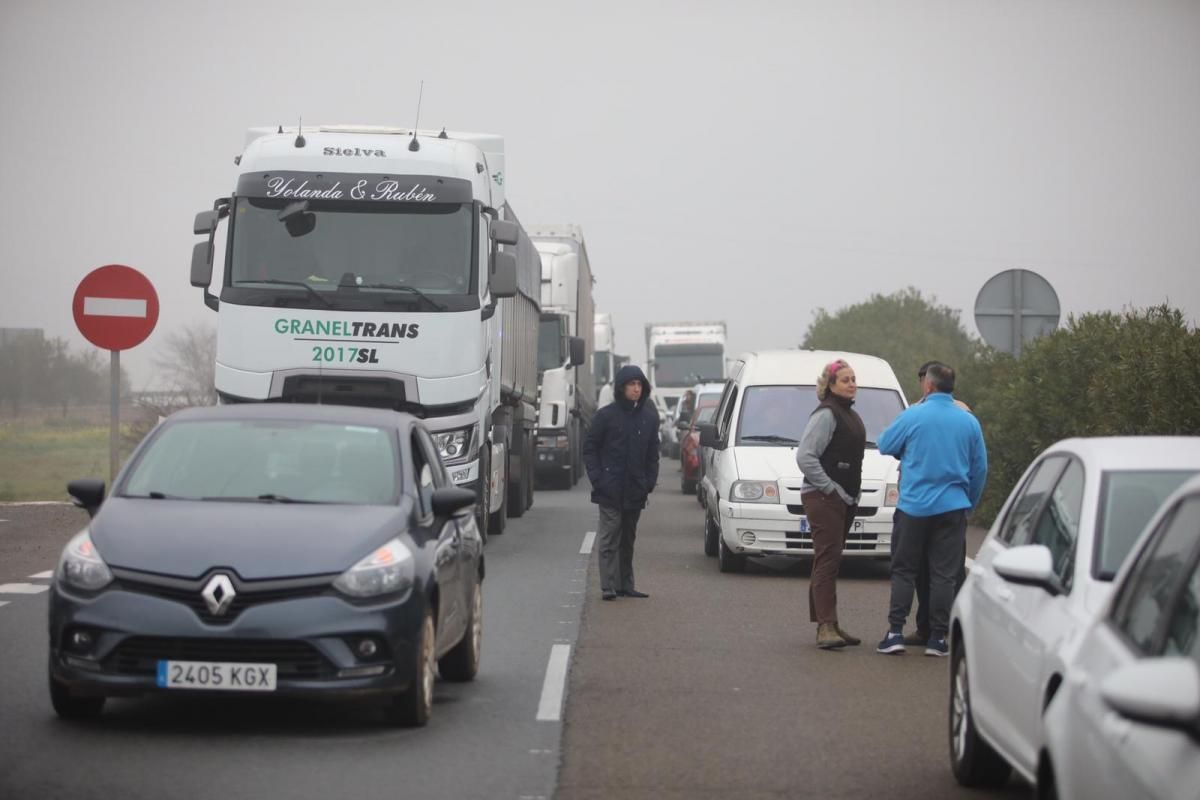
{"x":621,"y":455}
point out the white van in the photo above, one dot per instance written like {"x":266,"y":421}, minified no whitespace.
{"x":750,"y":473}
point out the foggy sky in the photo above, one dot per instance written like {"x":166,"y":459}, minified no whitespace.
{"x":747,"y":161}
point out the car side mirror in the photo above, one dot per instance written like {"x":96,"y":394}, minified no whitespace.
{"x":708,"y":436}
{"x":504,"y":275}
{"x":88,"y":494}
{"x":1029,"y":565}
{"x":1164,"y":692}
{"x":578,"y":351}
{"x":450,"y":500}
{"x":504,"y":232}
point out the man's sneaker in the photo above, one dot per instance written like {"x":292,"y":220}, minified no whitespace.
{"x":937,"y":647}
{"x":893,"y":643}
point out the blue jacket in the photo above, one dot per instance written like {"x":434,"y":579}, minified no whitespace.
{"x":943,"y":460}
{"x":621,"y":448}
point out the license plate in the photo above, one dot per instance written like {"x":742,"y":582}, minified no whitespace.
{"x":804,"y":528}
{"x":222,"y":676}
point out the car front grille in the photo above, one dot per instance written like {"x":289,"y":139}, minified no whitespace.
{"x":859,"y":511}
{"x":139,"y":655}
{"x":247,"y":593}
{"x":860,"y":540}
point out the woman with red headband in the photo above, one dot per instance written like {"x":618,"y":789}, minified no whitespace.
{"x":830,"y":455}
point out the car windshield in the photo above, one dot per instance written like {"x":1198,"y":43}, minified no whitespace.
{"x":269,"y":461}
{"x":1128,"y":500}
{"x":386,"y":249}
{"x":776,"y":415}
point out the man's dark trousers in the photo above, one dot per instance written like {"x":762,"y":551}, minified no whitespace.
{"x":923,"y":583}
{"x":618,"y":529}
{"x":939,"y":541}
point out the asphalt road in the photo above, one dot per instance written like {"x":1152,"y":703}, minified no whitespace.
{"x":485,"y":739}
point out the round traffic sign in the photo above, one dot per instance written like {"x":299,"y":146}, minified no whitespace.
{"x":115,"y":307}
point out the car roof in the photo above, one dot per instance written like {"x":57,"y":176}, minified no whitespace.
{"x":298,"y":412}
{"x":1134,"y":452}
{"x":803,"y":366}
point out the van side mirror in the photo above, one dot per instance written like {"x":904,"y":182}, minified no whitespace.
{"x":88,"y":494}
{"x":504,"y":275}
{"x":504,"y":232}
{"x":578,"y":351}
{"x":708,"y":436}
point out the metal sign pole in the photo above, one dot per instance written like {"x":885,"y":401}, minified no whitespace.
{"x":115,"y":418}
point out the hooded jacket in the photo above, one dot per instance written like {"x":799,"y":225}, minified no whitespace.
{"x":621,"y":448}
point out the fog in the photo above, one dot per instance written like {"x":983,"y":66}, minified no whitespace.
{"x":747,"y":162}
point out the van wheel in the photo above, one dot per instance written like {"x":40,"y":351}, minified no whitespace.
{"x":727,"y":560}
{"x":973,"y":760}
{"x":712,"y":536}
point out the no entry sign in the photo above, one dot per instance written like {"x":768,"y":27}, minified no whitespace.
{"x":115,"y":307}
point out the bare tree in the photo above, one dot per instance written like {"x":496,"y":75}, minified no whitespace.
{"x":186,"y":365}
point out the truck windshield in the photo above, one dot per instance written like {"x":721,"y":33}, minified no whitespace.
{"x":396,"y":250}
{"x":550,"y":355}
{"x":677,"y":365}
{"x":776,"y":415}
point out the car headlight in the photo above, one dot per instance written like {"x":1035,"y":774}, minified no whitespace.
{"x":81,"y":566}
{"x":754,"y":492}
{"x":453,"y":445}
{"x":891,"y":494}
{"x":389,"y":570}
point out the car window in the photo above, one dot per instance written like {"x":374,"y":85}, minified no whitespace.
{"x":423,"y":469}
{"x":1128,"y":499}
{"x":1025,"y":506}
{"x":726,"y":411}
{"x":1183,"y":629}
{"x":1058,"y":526}
{"x":1152,"y":583}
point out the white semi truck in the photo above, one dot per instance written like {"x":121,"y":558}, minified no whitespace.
{"x":604,"y":367}
{"x":383,"y":267}
{"x":567,"y":393}
{"x":680,"y":355}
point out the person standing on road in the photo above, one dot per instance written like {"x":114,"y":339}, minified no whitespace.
{"x":922,"y":634}
{"x":621,"y":457}
{"x":830,"y":455}
{"x":943,"y":466}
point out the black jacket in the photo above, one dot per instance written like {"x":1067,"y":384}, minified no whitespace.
{"x":621,"y":448}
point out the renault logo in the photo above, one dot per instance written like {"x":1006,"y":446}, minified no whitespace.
{"x":218,"y":594}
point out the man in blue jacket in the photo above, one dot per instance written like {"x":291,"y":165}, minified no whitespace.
{"x":943,"y":461}
{"x":621,"y":456}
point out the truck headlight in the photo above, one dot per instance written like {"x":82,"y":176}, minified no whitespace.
{"x":81,"y":566}
{"x":891,"y":494}
{"x":389,"y":570}
{"x":453,"y":445}
{"x":754,"y":492}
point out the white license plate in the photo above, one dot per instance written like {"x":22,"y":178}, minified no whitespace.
{"x":219,"y":675}
{"x":856,"y":526}
{"x":804,"y":527}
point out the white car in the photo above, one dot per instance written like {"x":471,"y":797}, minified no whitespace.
{"x":751,"y":481}
{"x":1074,"y":517}
{"x":1126,"y":722}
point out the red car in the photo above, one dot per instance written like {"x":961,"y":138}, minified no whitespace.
{"x":689,"y":449}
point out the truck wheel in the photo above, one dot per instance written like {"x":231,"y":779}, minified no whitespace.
{"x":499,"y":517}
{"x":517,"y":491}
{"x":529,"y":470}
{"x":481,"y":510}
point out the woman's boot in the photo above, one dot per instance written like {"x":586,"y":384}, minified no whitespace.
{"x":828,"y":637}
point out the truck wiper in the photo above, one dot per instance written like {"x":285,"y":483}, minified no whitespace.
{"x":770,"y":438}
{"x":409,"y":289}
{"x":301,"y":284}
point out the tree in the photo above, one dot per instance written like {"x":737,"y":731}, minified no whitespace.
{"x":904,"y":328}
{"x":187,"y":364}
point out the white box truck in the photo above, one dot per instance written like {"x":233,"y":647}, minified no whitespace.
{"x":680,"y":355}
{"x":604,"y":366}
{"x":382,"y":267}
{"x":566,"y":389}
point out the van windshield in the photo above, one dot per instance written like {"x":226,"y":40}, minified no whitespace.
{"x":776,"y":415}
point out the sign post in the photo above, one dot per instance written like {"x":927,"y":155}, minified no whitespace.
{"x":115,"y":308}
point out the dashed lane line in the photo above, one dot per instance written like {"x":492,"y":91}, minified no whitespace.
{"x":22,"y":588}
{"x":589,"y":539}
{"x":555,"y":684}
{"x":3,"y":602}
{"x":41,"y":576}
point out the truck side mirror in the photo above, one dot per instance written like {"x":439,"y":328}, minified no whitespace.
{"x":202,"y":256}
{"x":504,"y":232}
{"x":578,"y":354}
{"x":205,"y":224}
{"x":504,"y":275}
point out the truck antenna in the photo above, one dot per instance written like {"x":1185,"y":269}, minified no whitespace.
{"x":300,"y":142}
{"x":414,"y":145}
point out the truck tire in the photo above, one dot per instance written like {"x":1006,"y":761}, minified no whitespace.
{"x":499,"y":516}
{"x":481,"y":506}
{"x":517,"y":488}
{"x":530,"y":478}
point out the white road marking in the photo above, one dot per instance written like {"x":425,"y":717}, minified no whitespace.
{"x":113,"y":307}
{"x":3,"y":602}
{"x":555,"y":684}
{"x":15,"y":503}
{"x":43,"y":575}
{"x":589,"y":539}
{"x":22,"y":588}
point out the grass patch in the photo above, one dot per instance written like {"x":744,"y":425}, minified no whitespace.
{"x":38,"y":457}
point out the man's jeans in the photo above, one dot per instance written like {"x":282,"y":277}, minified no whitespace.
{"x":618,"y":529}
{"x":940,"y":542}
{"x":922,"y":583}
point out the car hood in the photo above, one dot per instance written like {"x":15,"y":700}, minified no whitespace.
{"x":186,"y":538}
{"x":779,"y":463}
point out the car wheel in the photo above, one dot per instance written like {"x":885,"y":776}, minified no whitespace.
{"x":462,"y":662}
{"x":71,"y":706}
{"x":973,"y":760}
{"x":727,"y":560}
{"x":412,"y":707}
{"x":712,"y":536}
